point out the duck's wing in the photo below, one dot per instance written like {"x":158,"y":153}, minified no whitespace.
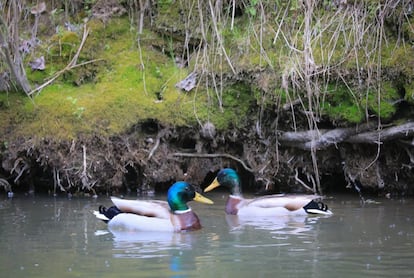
{"x":290,"y":202}
{"x":150,"y":208}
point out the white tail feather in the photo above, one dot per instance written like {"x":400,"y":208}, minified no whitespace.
{"x":318,"y":211}
{"x":100,"y":215}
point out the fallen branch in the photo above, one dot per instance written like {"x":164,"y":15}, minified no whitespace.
{"x":322,"y":139}
{"x":214,"y":156}
{"x":392,"y":133}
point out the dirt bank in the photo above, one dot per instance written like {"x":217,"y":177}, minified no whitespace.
{"x":150,"y":157}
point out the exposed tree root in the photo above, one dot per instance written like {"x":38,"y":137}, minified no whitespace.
{"x":131,"y":162}
{"x":322,"y":139}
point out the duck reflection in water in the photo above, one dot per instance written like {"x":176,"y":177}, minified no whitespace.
{"x":288,"y":224}
{"x":147,"y":245}
{"x":173,"y":251}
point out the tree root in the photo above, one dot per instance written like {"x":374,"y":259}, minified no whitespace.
{"x":322,"y":139}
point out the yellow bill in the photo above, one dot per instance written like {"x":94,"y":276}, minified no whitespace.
{"x":213,"y":185}
{"x":200,"y":198}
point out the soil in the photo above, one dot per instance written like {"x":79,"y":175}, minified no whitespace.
{"x":149,"y":157}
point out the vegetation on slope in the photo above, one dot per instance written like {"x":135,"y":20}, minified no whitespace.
{"x":113,"y":64}
{"x":127,"y":84}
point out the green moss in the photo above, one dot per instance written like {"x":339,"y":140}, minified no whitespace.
{"x":342,"y":105}
{"x":407,"y":28}
{"x":57,"y":51}
{"x":63,"y":46}
{"x":170,"y":19}
{"x":165,"y":6}
{"x":37,"y":76}
{"x":409,"y":93}
{"x":117,"y":28}
{"x":345,"y":112}
{"x":11,"y":109}
{"x":129,"y":90}
{"x":382,"y":103}
{"x":398,"y":59}
{"x":236,"y":101}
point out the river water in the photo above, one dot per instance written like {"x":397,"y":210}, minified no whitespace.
{"x":59,"y":237}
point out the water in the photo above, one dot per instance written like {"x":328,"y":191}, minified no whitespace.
{"x":58,"y":237}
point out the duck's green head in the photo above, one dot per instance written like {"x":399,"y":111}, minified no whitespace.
{"x":229,"y":178}
{"x":182,"y":192}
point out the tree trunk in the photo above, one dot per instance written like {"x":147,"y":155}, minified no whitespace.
{"x":9,"y":48}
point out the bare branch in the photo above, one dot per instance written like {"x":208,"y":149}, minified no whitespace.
{"x":72,"y":64}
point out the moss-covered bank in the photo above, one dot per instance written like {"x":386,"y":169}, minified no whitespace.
{"x":116,"y":121}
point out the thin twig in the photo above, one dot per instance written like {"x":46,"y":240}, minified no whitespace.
{"x":213,"y":19}
{"x":72,"y":64}
{"x":50,"y":81}
{"x":233,"y":13}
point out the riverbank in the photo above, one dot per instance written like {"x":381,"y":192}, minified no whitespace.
{"x":286,"y":98}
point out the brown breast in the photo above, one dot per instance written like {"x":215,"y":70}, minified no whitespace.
{"x":231,"y":205}
{"x":186,"y":221}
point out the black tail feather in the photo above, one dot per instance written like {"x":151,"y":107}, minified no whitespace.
{"x":110,"y":212}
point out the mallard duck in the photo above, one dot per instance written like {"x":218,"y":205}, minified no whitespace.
{"x":268,"y":206}
{"x":173,"y":215}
